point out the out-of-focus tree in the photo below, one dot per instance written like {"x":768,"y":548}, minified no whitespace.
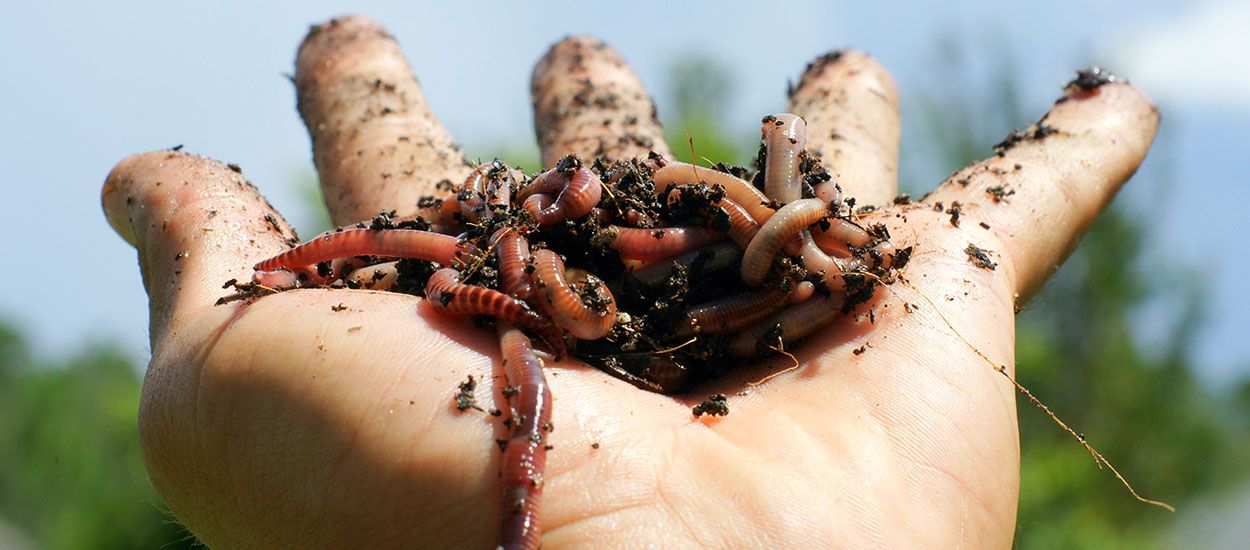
{"x":71,"y":475}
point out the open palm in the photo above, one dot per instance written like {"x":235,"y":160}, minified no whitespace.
{"x":325,"y":417}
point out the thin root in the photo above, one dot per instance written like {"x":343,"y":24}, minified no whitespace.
{"x":1099,"y":459}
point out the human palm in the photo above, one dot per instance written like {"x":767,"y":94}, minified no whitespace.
{"x":324,"y":417}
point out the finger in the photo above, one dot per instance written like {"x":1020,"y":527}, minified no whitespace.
{"x":1048,"y":183}
{"x":196,"y":223}
{"x":589,"y":102}
{"x":376,"y":144}
{"x":850,"y":104}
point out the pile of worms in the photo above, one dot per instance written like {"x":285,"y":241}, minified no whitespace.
{"x":659,"y":272}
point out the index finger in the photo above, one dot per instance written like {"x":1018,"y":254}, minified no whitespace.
{"x":1048,"y":183}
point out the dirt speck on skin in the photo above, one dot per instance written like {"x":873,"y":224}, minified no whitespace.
{"x":979,"y":257}
{"x":1090,"y":78}
{"x":956,"y":209}
{"x":714,"y":405}
{"x":1000,"y":192}
{"x":465,"y":398}
{"x":1036,"y":132}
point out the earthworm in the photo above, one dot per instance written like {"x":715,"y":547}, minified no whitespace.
{"x":661,"y":242}
{"x":801,"y":292}
{"x":709,"y":260}
{"x":375,"y":277}
{"x":399,"y":243}
{"x":446,"y":293}
{"x":525,"y":453}
{"x":579,"y":193}
{"x":441,"y":211}
{"x":842,"y":234}
{"x":830,"y":192}
{"x":732,"y":313}
{"x":559,"y":299}
{"x":655,"y":372}
{"x":741,"y":191}
{"x":742,"y":227}
{"x":815,"y":259}
{"x":513,"y":252}
{"x":491,"y":182}
{"x":789,"y":221}
{"x":785,"y":136}
{"x":796,"y":322}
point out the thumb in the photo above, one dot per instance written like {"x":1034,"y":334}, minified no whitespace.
{"x":196,"y":223}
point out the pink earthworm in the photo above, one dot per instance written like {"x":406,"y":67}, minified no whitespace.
{"x":445,"y":292}
{"x":815,"y":259}
{"x":741,"y":191}
{"x":742,"y":227}
{"x":652,"y":372}
{"x":785,"y":136}
{"x":796,"y":322}
{"x":579,"y":192}
{"x":559,"y":299}
{"x":801,"y":292}
{"x":374,"y":277}
{"x":442,"y":211}
{"x":842,"y":234}
{"x":789,"y":221}
{"x":662,"y":242}
{"x":829,"y":191}
{"x":514,"y":252}
{"x":710,"y":259}
{"x":525,"y":453}
{"x":732,"y":313}
{"x":398,"y":243}
{"x":491,"y":182}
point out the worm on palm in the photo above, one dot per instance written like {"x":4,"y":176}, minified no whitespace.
{"x":525,"y":453}
{"x":707,"y":260}
{"x":742,"y":227}
{"x":513,"y":252}
{"x":559,"y":296}
{"x":491,"y":183}
{"x":398,"y":243}
{"x":579,"y":192}
{"x":785,"y":136}
{"x":661,"y":243}
{"x":441,"y":211}
{"x":739,"y":190}
{"x":788,"y":222}
{"x":839,"y":236}
{"x":446,"y":293}
{"x":787,"y":326}
{"x":732,"y":313}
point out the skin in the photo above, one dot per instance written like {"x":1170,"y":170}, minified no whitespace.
{"x":282,"y":423}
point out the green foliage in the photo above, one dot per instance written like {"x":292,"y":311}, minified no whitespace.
{"x":71,"y":475}
{"x":700,"y":89}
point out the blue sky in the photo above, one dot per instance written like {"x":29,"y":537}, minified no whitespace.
{"x":89,"y":84}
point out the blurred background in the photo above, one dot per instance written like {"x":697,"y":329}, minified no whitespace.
{"x":1140,"y":341}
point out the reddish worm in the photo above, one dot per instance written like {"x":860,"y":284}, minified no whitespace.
{"x":558,"y":298}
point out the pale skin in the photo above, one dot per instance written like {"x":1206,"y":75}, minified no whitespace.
{"x":284,"y":423}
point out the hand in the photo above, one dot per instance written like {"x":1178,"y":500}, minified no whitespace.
{"x":287,"y":422}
